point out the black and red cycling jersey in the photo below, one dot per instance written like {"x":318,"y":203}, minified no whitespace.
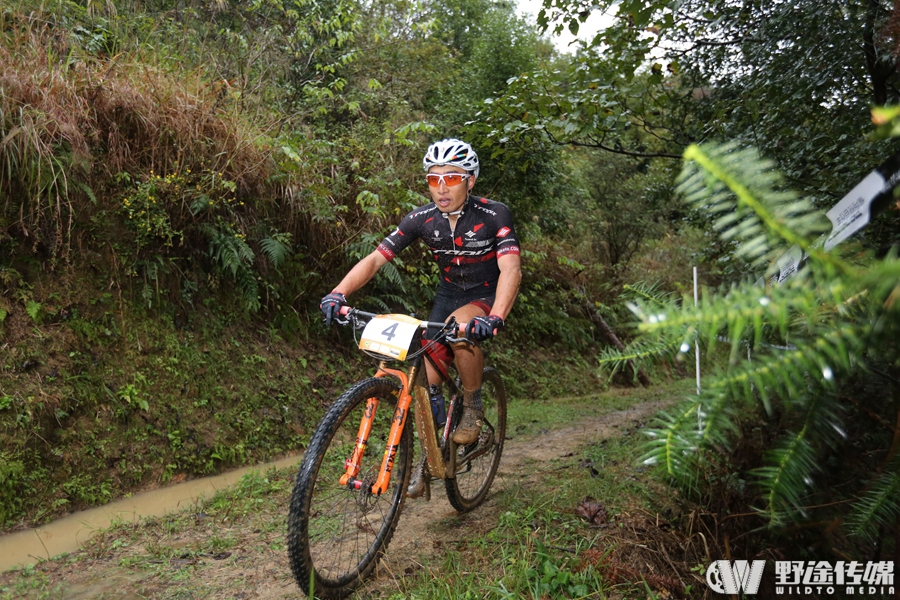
{"x":466,"y":255}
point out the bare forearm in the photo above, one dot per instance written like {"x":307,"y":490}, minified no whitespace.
{"x":507,"y":290}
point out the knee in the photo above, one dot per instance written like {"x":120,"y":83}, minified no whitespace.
{"x":466,"y":349}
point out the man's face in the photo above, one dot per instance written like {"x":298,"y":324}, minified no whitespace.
{"x":450,"y":198}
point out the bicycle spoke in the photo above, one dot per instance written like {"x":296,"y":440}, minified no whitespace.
{"x":337,"y":532}
{"x":477,"y":463}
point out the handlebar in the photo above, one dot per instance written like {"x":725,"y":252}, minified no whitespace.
{"x":348,"y":312}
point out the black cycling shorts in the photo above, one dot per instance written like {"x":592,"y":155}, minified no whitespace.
{"x":448,"y":300}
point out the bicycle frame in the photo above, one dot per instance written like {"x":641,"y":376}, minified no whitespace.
{"x":413,"y":388}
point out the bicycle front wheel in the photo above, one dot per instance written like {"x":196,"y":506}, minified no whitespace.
{"x":336,"y":534}
{"x":476,"y":463}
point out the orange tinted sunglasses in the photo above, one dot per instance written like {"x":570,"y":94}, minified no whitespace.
{"x":449,"y":179}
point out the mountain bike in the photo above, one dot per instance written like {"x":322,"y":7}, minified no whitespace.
{"x":351,"y":486}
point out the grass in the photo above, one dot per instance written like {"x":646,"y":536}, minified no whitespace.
{"x":110,"y":400}
{"x":527,"y":541}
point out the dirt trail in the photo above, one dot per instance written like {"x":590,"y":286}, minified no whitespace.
{"x":256,"y":566}
{"x":418,"y":535}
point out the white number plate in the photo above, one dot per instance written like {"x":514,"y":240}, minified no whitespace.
{"x":389,"y":335}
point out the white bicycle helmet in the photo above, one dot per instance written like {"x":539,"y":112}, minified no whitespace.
{"x":452,"y":152}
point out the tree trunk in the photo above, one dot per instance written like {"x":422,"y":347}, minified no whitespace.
{"x":879,"y":68}
{"x":611,"y":337}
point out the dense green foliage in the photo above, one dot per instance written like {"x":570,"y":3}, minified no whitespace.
{"x":787,"y":421}
{"x":795,"y":79}
{"x":181,"y":181}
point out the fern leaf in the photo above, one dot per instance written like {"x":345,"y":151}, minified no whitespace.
{"x":879,"y":505}
{"x":750,"y":202}
{"x":276,"y":248}
{"x":794,"y":461}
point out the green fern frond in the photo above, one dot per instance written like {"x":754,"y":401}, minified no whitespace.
{"x":400,"y":300}
{"x":785,"y":482}
{"x":671,"y":444}
{"x":381,"y":304}
{"x":249,"y":289}
{"x":639,"y":352}
{"x":677,"y":440}
{"x":788,"y":479}
{"x":231,"y":254}
{"x":878,"y":506}
{"x":276,"y":248}
{"x":748,"y":198}
{"x":229,"y":251}
{"x":391,"y":273}
{"x":649,"y":292}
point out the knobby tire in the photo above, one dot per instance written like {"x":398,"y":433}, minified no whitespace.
{"x":337,"y":535}
{"x":474,"y":477}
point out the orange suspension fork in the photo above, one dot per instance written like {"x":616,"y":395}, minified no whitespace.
{"x":352,"y":464}
{"x":397,"y":424}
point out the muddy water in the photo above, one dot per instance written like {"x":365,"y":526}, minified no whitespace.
{"x":69,"y":533}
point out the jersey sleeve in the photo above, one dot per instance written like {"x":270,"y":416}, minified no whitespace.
{"x":406,"y":233}
{"x":506,"y":240}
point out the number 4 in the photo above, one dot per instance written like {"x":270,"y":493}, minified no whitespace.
{"x":390,"y":332}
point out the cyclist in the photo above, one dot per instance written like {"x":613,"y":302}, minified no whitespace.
{"x":474,"y":243}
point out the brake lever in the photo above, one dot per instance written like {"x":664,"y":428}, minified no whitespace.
{"x":345,"y":317}
{"x":452,"y":326}
{"x":460,"y":340}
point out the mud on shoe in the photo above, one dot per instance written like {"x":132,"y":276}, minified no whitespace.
{"x":472,"y":419}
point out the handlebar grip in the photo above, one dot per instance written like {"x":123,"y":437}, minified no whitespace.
{"x":344,"y":311}
{"x":461,"y":332}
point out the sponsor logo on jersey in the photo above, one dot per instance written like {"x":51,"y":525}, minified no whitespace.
{"x":504,"y":231}
{"x":479,"y":243}
{"x":487,"y":210}
{"x":508,"y":250}
{"x":386,"y":252}
{"x":470,"y":234}
{"x":465,"y":252}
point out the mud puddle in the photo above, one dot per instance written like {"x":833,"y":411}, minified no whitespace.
{"x":68,"y":534}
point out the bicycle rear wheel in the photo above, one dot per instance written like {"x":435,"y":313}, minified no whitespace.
{"x":476,"y":463}
{"x":337,"y":534}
